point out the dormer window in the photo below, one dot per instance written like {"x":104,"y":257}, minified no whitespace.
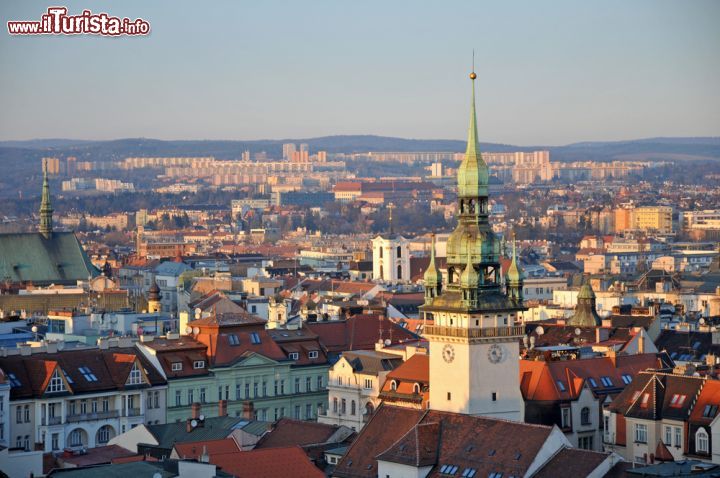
{"x":416,"y":388}
{"x":677,"y":400}
{"x":56,"y":383}
{"x":199,"y":364}
{"x":393,"y":385}
{"x":135,"y":377}
{"x":293,"y":355}
{"x":176,"y":366}
{"x":255,"y":338}
{"x":233,"y":339}
{"x":313,"y":354}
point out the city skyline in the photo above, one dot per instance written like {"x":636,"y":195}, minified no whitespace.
{"x":559,"y":74}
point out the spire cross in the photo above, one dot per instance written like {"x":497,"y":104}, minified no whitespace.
{"x":390,"y":207}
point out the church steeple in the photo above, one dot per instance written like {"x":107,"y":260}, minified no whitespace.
{"x":473,"y":172}
{"x":514,"y":278}
{"x":46,"y":210}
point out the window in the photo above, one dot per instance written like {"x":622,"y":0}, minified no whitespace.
{"x":255,"y":389}
{"x":593,"y":382}
{"x":586,"y":443}
{"x":626,"y":378}
{"x":565,"y":417}
{"x":319,"y":382}
{"x":606,"y":381}
{"x":450,"y":469}
{"x":27,"y":413}
{"x":353,"y":409}
{"x":297,"y":412}
{"x":75,"y":438}
{"x":493,"y":396}
{"x":469,"y":473}
{"x":106,"y":405}
{"x":416,"y":388}
{"x":399,"y":251}
{"x":678,"y":436}
{"x":710,"y":411}
{"x":56,"y":383}
{"x":199,"y":364}
{"x":202,"y":395}
{"x":148,"y":402}
{"x":701,"y":441}
{"x":297,"y":385}
{"x":335,"y":404}
{"x":677,"y":400}
{"x":308,"y":411}
{"x":190,"y":398}
{"x":293,"y":355}
{"x":18,"y":414}
{"x":645,"y":400}
{"x":254,"y":338}
{"x":343,"y":406}
{"x":561,"y":385}
{"x":55,"y":441}
{"x":308,"y":384}
{"x":640,"y":433}
{"x":87,"y":373}
{"x":585,"y":416}
{"x":449,"y":396}
{"x":104,"y":434}
{"x":368,"y":383}
{"x":668,"y":436}
{"x":176,"y":366}
{"x":393,"y":386}
{"x":14,"y":382}
{"x":340,"y":380}
{"x":234,"y":340}
{"x":135,"y":377}
{"x":178,"y":398}
{"x":282,"y":387}
{"x":313,"y":354}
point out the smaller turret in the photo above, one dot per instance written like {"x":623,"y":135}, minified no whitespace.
{"x":469,"y":282}
{"x":585,"y":311}
{"x":433,"y":277}
{"x":153,"y":298}
{"x":514,"y":278}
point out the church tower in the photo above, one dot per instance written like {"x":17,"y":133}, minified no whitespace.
{"x":391,"y":256}
{"x":476,"y":331}
{"x":46,"y":210}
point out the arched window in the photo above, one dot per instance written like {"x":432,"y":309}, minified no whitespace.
{"x":393,"y":385}
{"x":369,"y":409}
{"x":585,"y":416}
{"x":399,"y":271}
{"x":416,"y":388}
{"x":399,"y":252}
{"x":335,"y":403}
{"x":381,"y":253}
{"x":701,"y":441}
{"x":343,"y":406}
{"x":352,"y":408}
{"x":104,"y":434}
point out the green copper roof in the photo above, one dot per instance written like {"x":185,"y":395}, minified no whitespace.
{"x":46,"y":210}
{"x":514,"y":274}
{"x":469,"y":277}
{"x":473,"y":172}
{"x":432,"y":275}
{"x":586,"y":292}
{"x":32,"y":257}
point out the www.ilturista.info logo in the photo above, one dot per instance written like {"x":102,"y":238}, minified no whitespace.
{"x":57,"y":22}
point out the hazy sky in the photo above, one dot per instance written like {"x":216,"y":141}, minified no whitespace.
{"x":549,"y":72}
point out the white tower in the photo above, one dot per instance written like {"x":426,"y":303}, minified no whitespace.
{"x":391,"y":259}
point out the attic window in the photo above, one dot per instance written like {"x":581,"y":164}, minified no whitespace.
{"x":469,"y":473}
{"x":14,"y":382}
{"x":645,"y":399}
{"x":313,"y":354}
{"x":677,"y":400}
{"x":176,"y":366}
{"x":626,"y":378}
{"x":293,"y":355}
{"x":233,"y":339}
{"x":606,"y":381}
{"x":87,"y":373}
{"x":593,"y":382}
{"x":561,"y":385}
{"x":56,"y":383}
{"x":255,"y":338}
{"x":199,"y":364}
{"x":495,"y":475}
{"x":448,"y":469}
{"x":135,"y":377}
{"x":710,"y":411}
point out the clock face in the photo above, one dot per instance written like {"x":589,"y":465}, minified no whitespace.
{"x":448,"y":353}
{"x":496,"y":353}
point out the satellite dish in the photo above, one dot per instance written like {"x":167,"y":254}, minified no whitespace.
{"x":702,"y":322}
{"x":202,"y":417}
{"x":540,"y":330}
{"x":388,"y":341}
{"x":34,"y":329}
{"x":193,"y":423}
{"x":578,"y":331}
{"x":198,"y":313}
{"x":188,"y":330}
{"x":196,"y":330}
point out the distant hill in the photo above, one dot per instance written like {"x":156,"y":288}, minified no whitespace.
{"x":652,"y":149}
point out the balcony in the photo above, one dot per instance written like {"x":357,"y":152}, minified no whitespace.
{"x":51,"y":421}
{"x":479,"y":333}
{"x":133,"y":412}
{"x":84,"y":417}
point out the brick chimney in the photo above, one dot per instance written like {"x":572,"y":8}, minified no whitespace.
{"x":222,"y":408}
{"x":248,"y":410}
{"x":195,"y":411}
{"x":641,"y":342}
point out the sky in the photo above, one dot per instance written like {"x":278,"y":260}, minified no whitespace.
{"x":549,"y":72}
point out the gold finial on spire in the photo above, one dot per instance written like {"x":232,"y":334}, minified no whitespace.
{"x":472,"y":73}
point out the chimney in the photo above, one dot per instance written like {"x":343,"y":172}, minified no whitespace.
{"x":103,"y":344}
{"x":641,"y":342}
{"x":195,"y":411}
{"x":710,"y":360}
{"x":222,"y":408}
{"x":612,"y":355}
{"x":248,"y":412}
{"x":188,"y":426}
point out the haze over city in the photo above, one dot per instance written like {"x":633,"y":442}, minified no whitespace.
{"x":550,"y":73}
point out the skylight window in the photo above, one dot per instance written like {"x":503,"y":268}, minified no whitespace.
{"x":645,"y":400}
{"x":710,"y":411}
{"x":469,"y":473}
{"x":495,"y":475}
{"x":677,"y":400}
{"x":255,"y":338}
{"x":636,"y":395}
{"x":606,"y":381}
{"x":234,"y":340}
{"x":14,"y":382}
{"x":448,"y":469}
{"x":561,"y":385}
{"x":626,"y":378}
{"x":87,"y":373}
{"x":593,"y":382}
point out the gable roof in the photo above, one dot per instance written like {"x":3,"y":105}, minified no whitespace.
{"x":359,"y":332}
{"x":194,"y":449}
{"x":572,"y":462}
{"x":214,"y":428}
{"x":288,"y":432}
{"x":268,"y":463}
{"x":31,"y":257}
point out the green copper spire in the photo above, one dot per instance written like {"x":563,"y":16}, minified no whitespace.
{"x":514,"y":274}
{"x":432,"y":275}
{"x":46,"y":210}
{"x":473,"y":172}
{"x":469,"y":278}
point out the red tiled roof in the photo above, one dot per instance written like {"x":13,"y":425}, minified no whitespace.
{"x":709,"y":397}
{"x":97,"y":456}
{"x":572,"y":462}
{"x":287,"y":432}
{"x":193,"y":449}
{"x":268,"y":463}
{"x":359,"y":332}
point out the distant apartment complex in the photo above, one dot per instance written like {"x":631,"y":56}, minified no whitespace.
{"x":648,"y":218}
{"x":97,"y":184}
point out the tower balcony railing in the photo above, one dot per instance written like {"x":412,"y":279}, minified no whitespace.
{"x":487,"y":332}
